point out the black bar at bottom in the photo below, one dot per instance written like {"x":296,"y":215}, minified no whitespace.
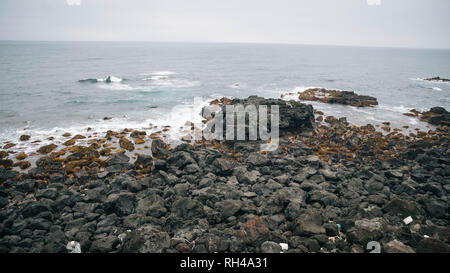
{"x":222,"y":262}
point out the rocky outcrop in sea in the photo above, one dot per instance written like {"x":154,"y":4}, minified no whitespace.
{"x":437,"y":79}
{"x":336,"y":96}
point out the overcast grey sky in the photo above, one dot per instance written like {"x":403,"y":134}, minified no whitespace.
{"x":392,"y":23}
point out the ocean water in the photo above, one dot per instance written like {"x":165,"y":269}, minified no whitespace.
{"x":48,"y":88}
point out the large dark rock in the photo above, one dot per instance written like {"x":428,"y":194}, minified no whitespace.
{"x":255,"y":232}
{"x":309,"y":223}
{"x":429,"y":245}
{"x":3,"y":201}
{"x":104,"y":245}
{"x":229,"y":207}
{"x":181,"y":159}
{"x":257,"y":160}
{"x":160,"y":149}
{"x":117,"y":159}
{"x":25,"y":186}
{"x":55,"y":242}
{"x":222,"y":166}
{"x":47,"y":193}
{"x":31,"y":209}
{"x":152,"y":205}
{"x":6,"y":163}
{"x":146,"y":239}
{"x":144,"y":161}
{"x":6,"y":174}
{"x":270,"y":247}
{"x":403,"y":207}
{"x":436,"y":209}
{"x":436,"y":116}
{"x":295,"y":117}
{"x":365,"y":231}
{"x":187,"y":208}
{"x":396,"y":246}
{"x":121,"y":203}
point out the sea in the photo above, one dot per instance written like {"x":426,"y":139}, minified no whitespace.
{"x":50,"y":88}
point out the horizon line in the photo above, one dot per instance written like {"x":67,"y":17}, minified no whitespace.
{"x":222,"y":42}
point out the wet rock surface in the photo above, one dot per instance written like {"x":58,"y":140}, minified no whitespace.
{"x":334,"y":189}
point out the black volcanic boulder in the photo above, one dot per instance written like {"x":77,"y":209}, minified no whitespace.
{"x":117,"y":159}
{"x":403,"y":207}
{"x":160,"y":149}
{"x":121,"y":203}
{"x":436,"y":116}
{"x":295,"y":117}
{"x":145,"y":239}
{"x":430,"y":245}
{"x":144,"y":161}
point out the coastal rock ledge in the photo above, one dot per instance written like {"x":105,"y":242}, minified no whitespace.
{"x":337,"y":96}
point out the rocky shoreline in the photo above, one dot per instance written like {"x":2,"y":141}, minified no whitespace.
{"x":329,"y":187}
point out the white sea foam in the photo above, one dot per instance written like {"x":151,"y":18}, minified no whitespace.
{"x":303,"y":88}
{"x":115,"y":79}
{"x":118,"y":87}
{"x":176,"y":118}
{"x":165,"y":81}
{"x":399,"y":109}
{"x":189,"y":111}
{"x":156,"y":78}
{"x":162,"y":79}
{"x":362,"y":111}
{"x":235,"y":86}
{"x":293,"y":93}
{"x":159,"y":73}
{"x":417,"y":79}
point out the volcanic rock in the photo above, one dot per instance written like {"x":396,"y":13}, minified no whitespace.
{"x":335,"y":96}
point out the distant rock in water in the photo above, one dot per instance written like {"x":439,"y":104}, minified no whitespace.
{"x":437,"y":79}
{"x":336,"y":96}
{"x":108,"y":79}
{"x":437,"y":116}
{"x":89,"y":81}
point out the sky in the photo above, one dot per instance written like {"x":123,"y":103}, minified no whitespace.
{"x":385,"y":23}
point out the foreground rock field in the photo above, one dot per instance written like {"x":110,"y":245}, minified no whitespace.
{"x":329,"y":187}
